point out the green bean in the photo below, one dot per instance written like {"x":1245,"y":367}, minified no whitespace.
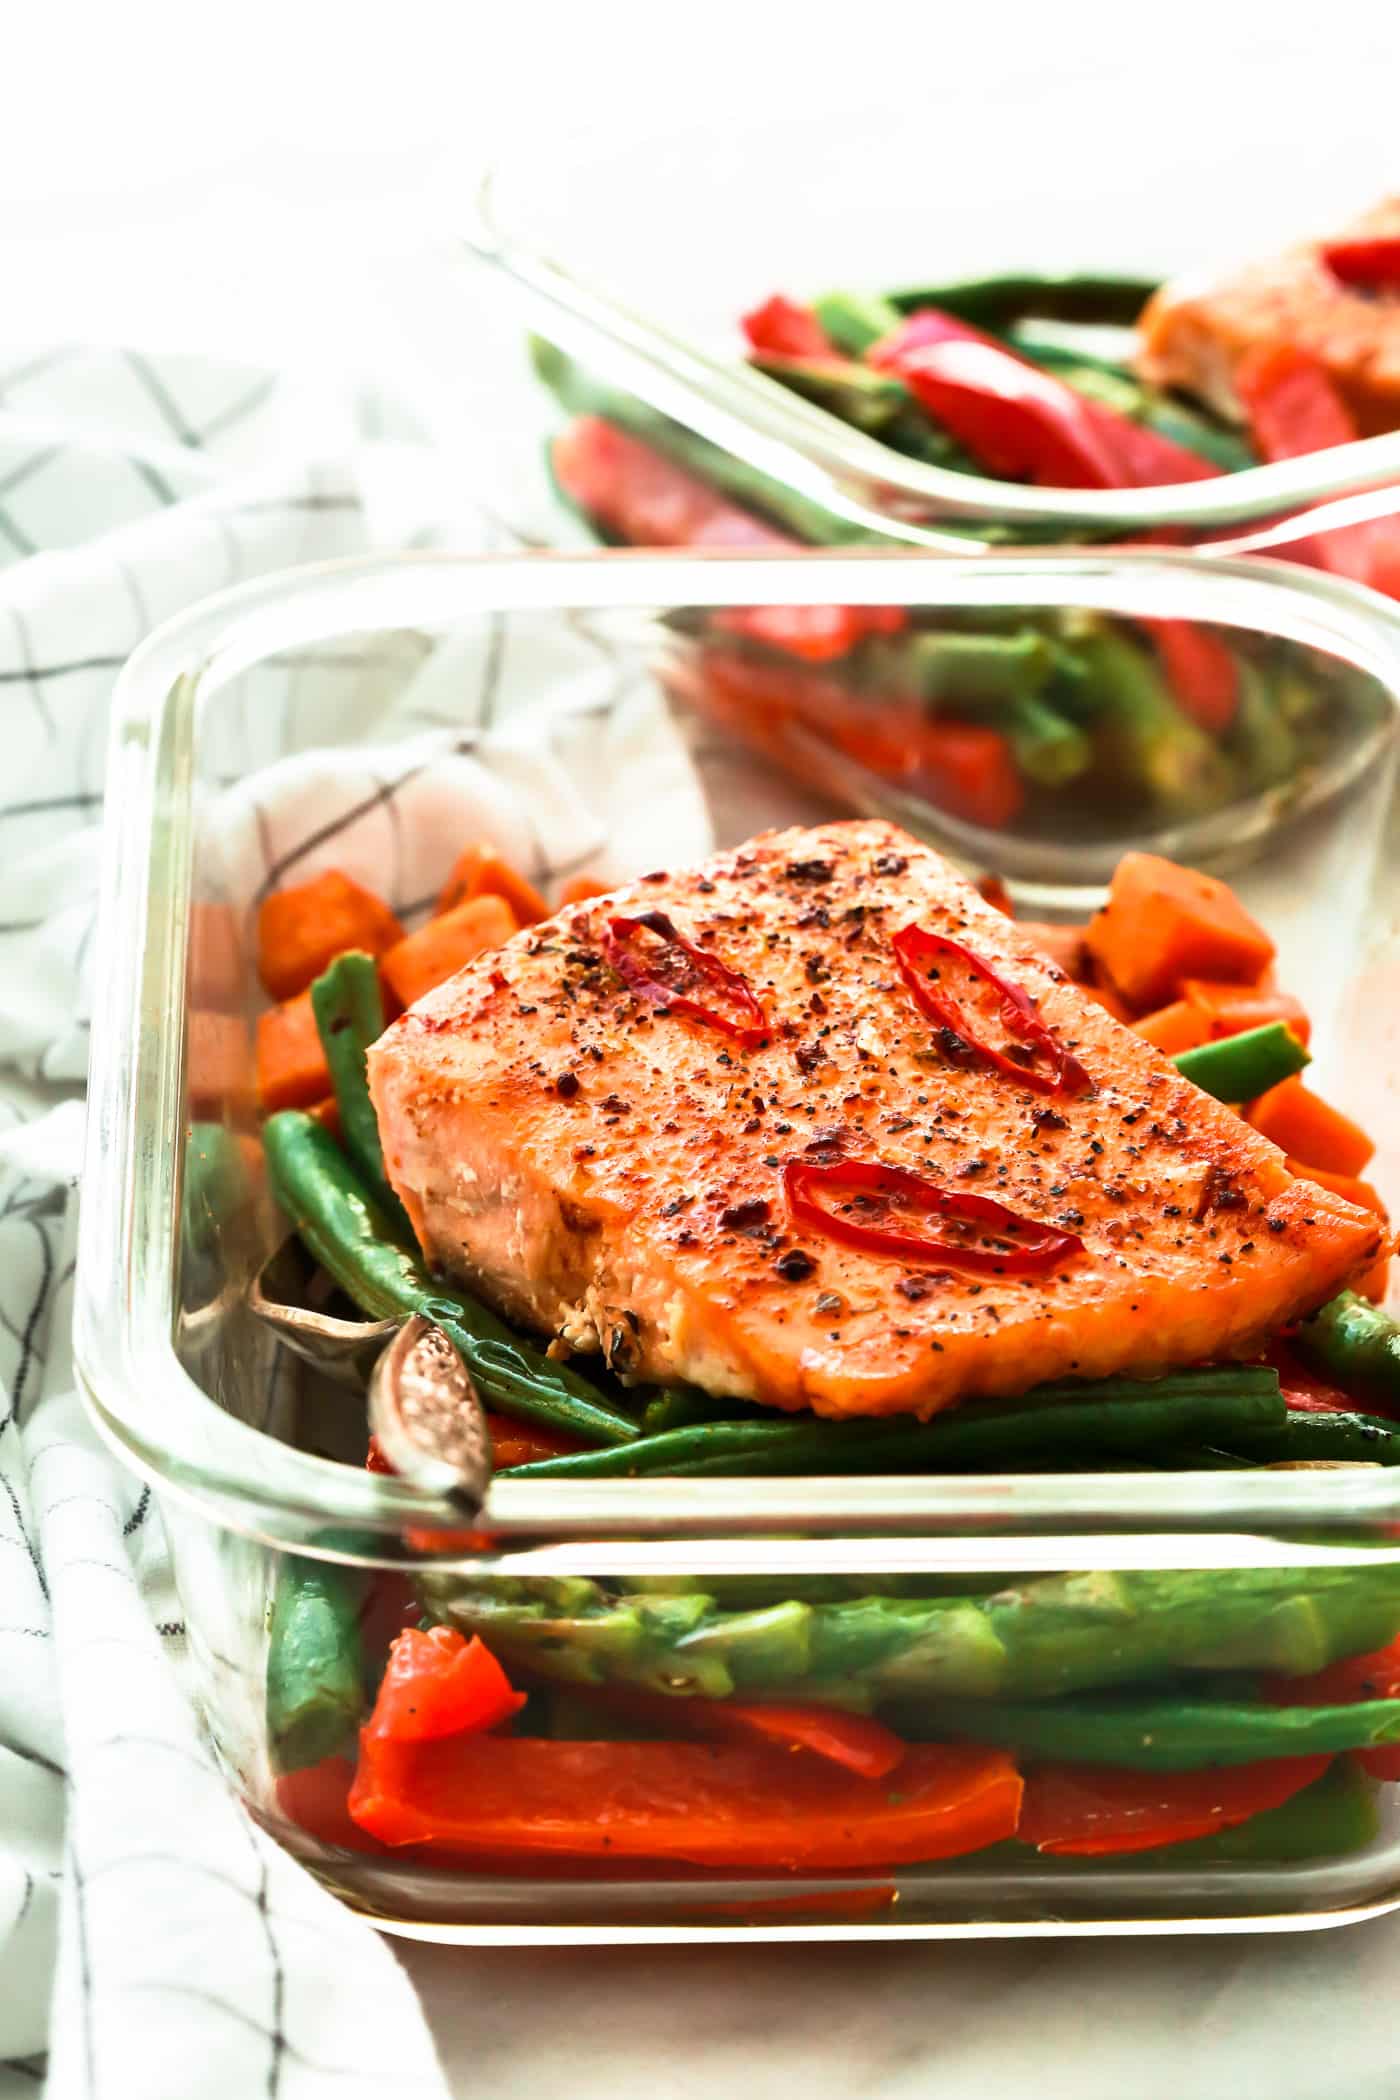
{"x":855,"y":320}
{"x":1303,"y":1438}
{"x":866,"y":399}
{"x":682,"y":1406}
{"x":346,"y":1231}
{"x":315,"y":1664}
{"x":1048,"y":749}
{"x":1143,"y":737}
{"x":961,"y":669}
{"x":1259,"y":740}
{"x":1035,"y":1637}
{"x":993,"y":302}
{"x":733,"y":477}
{"x":1244,"y":1066}
{"x":1177,"y":1731}
{"x":349,"y":1010}
{"x":1357,"y":1346}
{"x":1113,"y":1416}
{"x":215,"y":1187}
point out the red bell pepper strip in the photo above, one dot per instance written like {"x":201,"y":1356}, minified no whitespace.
{"x":439,"y":1683}
{"x":1203,"y":675}
{"x":1088,"y":1811}
{"x":315,"y":1798}
{"x":1294,"y":409}
{"x":1019,"y":1246}
{"x":711,"y":1804}
{"x":856,"y":1742}
{"x":971,"y":772}
{"x":1019,"y":421}
{"x":1292,"y":405}
{"x":1356,"y":1677}
{"x":1016,"y":422}
{"x":782,"y":328}
{"x":1304,"y":1393}
{"x":641,"y":497}
{"x":965,"y":768}
{"x":641,"y":979}
{"x":1372,"y":265}
{"x":922,"y":959}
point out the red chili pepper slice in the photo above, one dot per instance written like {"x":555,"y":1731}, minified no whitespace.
{"x":1022,"y":1246}
{"x":915,"y":949}
{"x":1372,"y":263}
{"x":751,"y":1034}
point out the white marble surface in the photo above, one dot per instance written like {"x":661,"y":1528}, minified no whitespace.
{"x":231,"y":200}
{"x":1281,"y":2018}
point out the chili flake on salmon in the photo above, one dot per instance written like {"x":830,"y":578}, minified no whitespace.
{"x":630,"y":1158}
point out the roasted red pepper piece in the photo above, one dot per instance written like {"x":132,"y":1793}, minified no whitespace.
{"x":315,"y":1798}
{"x":1203,"y":675}
{"x":782,"y":328}
{"x":1019,"y":1246}
{"x":1356,"y":1677}
{"x":645,"y":499}
{"x":1016,"y":422}
{"x":1293,"y":409}
{"x":970,"y":771}
{"x":923,"y":956}
{"x":750,"y":1033}
{"x":712,"y":1804}
{"x":440,"y":1683}
{"x":1019,"y":421}
{"x":857,"y":1742}
{"x":1084,"y":1811}
{"x":1372,"y":265}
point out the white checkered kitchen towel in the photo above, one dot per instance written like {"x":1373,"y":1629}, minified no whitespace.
{"x":153,"y":1941}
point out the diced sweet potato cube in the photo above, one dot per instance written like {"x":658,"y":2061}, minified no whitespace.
{"x":481,"y":872}
{"x":1163,"y":923}
{"x":441,"y":948}
{"x":302,"y":930}
{"x":292,"y":1070}
{"x":1308,"y":1128}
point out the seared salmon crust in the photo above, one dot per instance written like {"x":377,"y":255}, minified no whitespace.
{"x":612,"y":1173}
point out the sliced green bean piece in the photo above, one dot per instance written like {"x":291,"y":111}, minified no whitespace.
{"x":315,"y":1662}
{"x":1179,"y":1731}
{"x":1357,"y":1346}
{"x":349,"y":1010}
{"x":1244,"y":1066}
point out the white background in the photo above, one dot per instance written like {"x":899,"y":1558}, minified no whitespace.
{"x":210,"y":174}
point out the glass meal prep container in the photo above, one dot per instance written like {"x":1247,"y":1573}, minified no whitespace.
{"x":580,"y":424}
{"x":358,"y":716}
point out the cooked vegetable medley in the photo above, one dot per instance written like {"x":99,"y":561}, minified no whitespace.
{"x":1006,"y":727}
{"x":1160,"y":1130}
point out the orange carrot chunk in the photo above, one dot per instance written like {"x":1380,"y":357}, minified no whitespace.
{"x":1180,"y":1026}
{"x":1300,"y":1123}
{"x":1163,"y":924}
{"x":292,"y":1070}
{"x":217,"y":1066}
{"x":302,"y":930}
{"x":441,"y":948}
{"x":1232,"y":1008}
{"x":478,"y":871}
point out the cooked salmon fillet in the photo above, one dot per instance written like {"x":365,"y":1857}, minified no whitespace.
{"x":613,"y":1174}
{"x":1193,"y":336}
